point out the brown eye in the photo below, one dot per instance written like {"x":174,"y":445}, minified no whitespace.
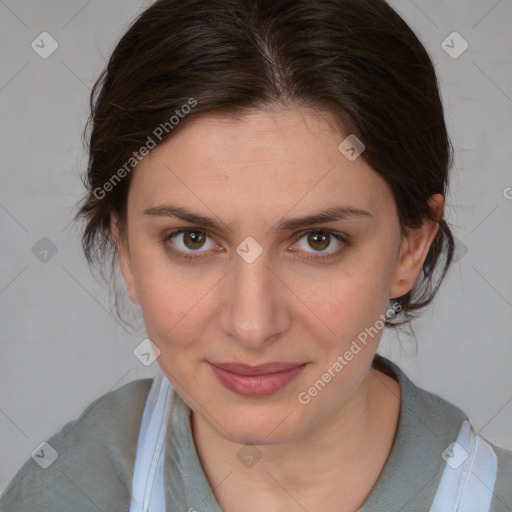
{"x":325,"y":244}
{"x":319,"y":240}
{"x":187,"y":243}
{"x":193,"y":239}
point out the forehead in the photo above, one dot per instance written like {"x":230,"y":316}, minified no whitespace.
{"x":262,"y":159}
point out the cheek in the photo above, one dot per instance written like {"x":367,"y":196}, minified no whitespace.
{"x":175,"y":306}
{"x":345,"y":303}
{"x":168,"y":307}
{"x":162,"y":297}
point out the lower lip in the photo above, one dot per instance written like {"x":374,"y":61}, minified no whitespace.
{"x":256,"y":385}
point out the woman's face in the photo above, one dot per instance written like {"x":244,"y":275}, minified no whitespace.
{"x":259,"y":288}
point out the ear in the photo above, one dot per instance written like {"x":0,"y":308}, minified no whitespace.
{"x":125,"y":263}
{"x":414,"y":250}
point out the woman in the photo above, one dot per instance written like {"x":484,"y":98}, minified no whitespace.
{"x":270,"y":176}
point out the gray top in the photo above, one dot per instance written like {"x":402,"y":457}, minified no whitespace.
{"x":96,"y":456}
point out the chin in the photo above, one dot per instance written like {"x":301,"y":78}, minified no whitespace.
{"x":259,"y":427}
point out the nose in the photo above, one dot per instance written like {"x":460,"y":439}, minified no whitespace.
{"x":255,"y":305}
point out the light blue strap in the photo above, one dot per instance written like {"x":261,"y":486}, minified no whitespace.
{"x":477,"y":493}
{"x":147,"y":485}
{"x":469,"y":476}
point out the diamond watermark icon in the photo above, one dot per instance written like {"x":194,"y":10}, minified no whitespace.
{"x":249,"y":455}
{"x":44,"y":45}
{"x":44,"y":250}
{"x":249,"y":249}
{"x":454,"y":455}
{"x":454,"y":45}
{"x":146,"y":352}
{"x":351,"y":147}
{"x":44,"y":455}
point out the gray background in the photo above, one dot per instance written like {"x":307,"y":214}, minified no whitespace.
{"x":61,"y":346}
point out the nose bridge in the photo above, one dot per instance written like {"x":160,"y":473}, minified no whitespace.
{"x":254,"y":310}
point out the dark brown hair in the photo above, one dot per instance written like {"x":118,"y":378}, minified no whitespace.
{"x":355,"y":58}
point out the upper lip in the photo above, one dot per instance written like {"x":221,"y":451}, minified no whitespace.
{"x":261,"y":369}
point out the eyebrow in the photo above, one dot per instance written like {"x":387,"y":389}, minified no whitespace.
{"x":328,"y":215}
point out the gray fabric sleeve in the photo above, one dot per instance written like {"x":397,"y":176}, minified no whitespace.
{"x":96,"y":455}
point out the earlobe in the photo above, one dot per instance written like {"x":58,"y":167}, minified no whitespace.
{"x":124,"y":259}
{"x":414,"y":250}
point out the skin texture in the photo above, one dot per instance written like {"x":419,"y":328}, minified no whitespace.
{"x":249,"y":173}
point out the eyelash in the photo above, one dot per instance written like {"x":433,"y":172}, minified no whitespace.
{"x":187,"y":256}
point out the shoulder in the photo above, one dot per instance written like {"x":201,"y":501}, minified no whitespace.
{"x":502,"y":493}
{"x":445,"y":413}
{"x":429,"y":424}
{"x":447,"y":418}
{"x":89,"y":462}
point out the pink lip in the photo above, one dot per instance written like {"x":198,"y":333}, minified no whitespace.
{"x":258,"y":380}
